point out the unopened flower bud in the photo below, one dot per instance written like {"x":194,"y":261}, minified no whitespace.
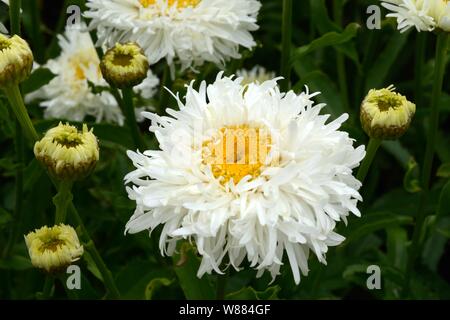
{"x":16,"y":60}
{"x":68,"y":154}
{"x":385,"y":114}
{"x":124,"y":65}
{"x":53,"y":249}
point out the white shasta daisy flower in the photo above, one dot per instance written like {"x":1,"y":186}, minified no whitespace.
{"x":424,"y":15}
{"x":68,"y":95}
{"x":248,"y":172}
{"x":257,"y":74}
{"x":188,"y":31}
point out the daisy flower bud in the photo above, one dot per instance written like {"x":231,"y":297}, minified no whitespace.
{"x":124,"y":65}
{"x":53,"y":249}
{"x":386,"y":114}
{"x":16,"y":60}
{"x":68,"y":153}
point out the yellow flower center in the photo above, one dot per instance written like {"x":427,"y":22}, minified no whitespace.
{"x":51,"y":244}
{"x":4,"y":43}
{"x":180,"y":3}
{"x":236,"y":152}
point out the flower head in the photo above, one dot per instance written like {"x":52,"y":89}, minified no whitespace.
{"x":68,"y":153}
{"x":124,"y":65}
{"x":246,"y":171}
{"x":53,"y":249}
{"x":424,"y":15}
{"x":16,"y":60}
{"x":386,"y":114}
{"x":69,"y":95}
{"x":186,"y":31}
{"x":257,"y":74}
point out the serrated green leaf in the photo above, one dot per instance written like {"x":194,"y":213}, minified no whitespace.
{"x":411,"y":181}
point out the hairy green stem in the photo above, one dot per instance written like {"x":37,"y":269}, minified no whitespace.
{"x":286,"y":40}
{"x":130,"y":118}
{"x":418,"y":67}
{"x":439,"y":71}
{"x":62,"y":200}
{"x":15,"y":99}
{"x":14,"y":15}
{"x":372,"y":148}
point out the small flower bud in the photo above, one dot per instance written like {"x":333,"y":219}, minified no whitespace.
{"x":124,"y":65}
{"x":16,"y":60}
{"x":386,"y":114}
{"x":68,"y":153}
{"x":53,"y":249}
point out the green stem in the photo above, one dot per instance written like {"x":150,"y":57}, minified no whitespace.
{"x":163,"y":94}
{"x":90,"y":247}
{"x":340,"y":59}
{"x":14,"y":15}
{"x":15,"y":99}
{"x":439,"y":71}
{"x":19,"y":146}
{"x":35,"y":32}
{"x":286,"y":40}
{"x":71,"y":293}
{"x":372,"y":148}
{"x":419,"y":63}
{"x":62,"y":200}
{"x":48,"y":288}
{"x":130,"y":118}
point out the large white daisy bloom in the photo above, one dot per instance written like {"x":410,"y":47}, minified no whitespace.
{"x":188,"y":31}
{"x":248,"y":172}
{"x":424,"y":15}
{"x":69,"y":95}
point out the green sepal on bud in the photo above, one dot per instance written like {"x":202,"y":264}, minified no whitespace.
{"x":67,"y":153}
{"x":124,"y":65}
{"x":386,"y":114}
{"x":16,"y":60}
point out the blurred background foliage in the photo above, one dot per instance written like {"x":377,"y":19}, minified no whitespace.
{"x":334,"y":53}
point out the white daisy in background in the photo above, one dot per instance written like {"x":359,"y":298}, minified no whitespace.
{"x":187,"y":31}
{"x":257,"y":74}
{"x":2,"y":27}
{"x":68,"y":95}
{"x":424,"y":15}
{"x":246,"y":171}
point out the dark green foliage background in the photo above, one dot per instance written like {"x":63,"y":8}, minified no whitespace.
{"x":371,"y":58}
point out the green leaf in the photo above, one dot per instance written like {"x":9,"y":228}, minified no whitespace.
{"x":319,"y":81}
{"x":16,"y":262}
{"x":377,"y":74}
{"x":444,"y":170}
{"x":373,"y":222}
{"x":186,"y":265}
{"x":411,"y":181}
{"x":155,"y":284}
{"x":397,"y":239}
{"x":37,"y":79}
{"x":328,"y":39}
{"x":248,"y":293}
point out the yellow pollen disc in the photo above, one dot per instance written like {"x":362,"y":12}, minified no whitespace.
{"x":236,"y":152}
{"x":180,"y":3}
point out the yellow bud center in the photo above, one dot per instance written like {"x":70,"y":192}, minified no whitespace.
{"x":4,"y":43}
{"x":236,"y":152}
{"x":121,"y":59}
{"x":180,"y":3}
{"x":68,"y":140}
{"x":51,"y":244}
